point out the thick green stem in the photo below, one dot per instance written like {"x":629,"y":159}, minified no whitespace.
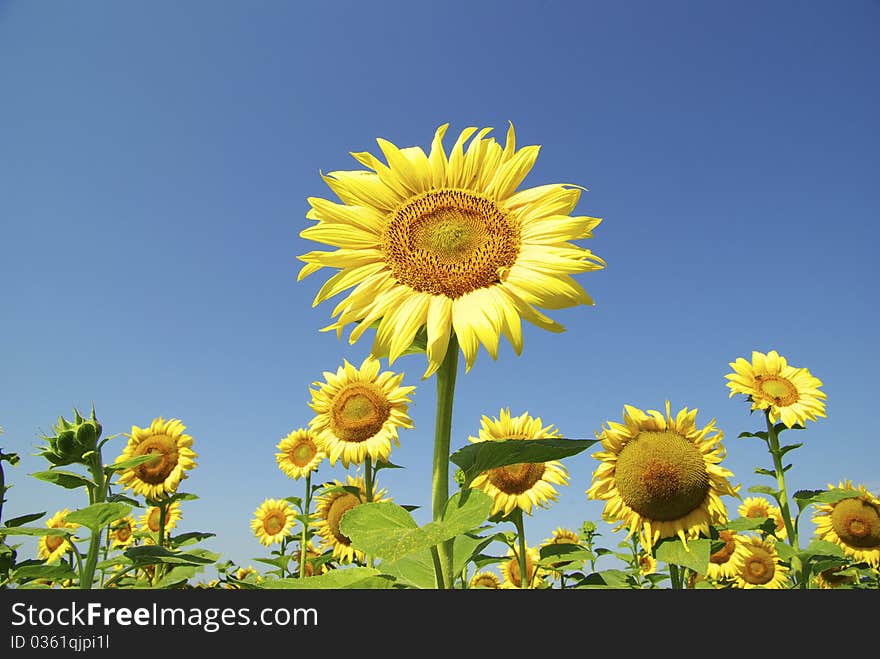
{"x":97,"y":494}
{"x":524,"y":579}
{"x":442,"y":435}
{"x":305,"y":523}
{"x":438,"y":570}
{"x":773,"y":442}
{"x":674,"y":576}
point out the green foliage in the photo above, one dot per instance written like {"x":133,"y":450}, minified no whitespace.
{"x":66,"y":479}
{"x":98,"y":515}
{"x":347,"y":578}
{"x":695,"y":555}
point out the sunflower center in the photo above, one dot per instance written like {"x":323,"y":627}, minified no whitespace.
{"x":358,"y":413}
{"x":779,"y":390}
{"x":485,"y":581}
{"x":450,"y":242}
{"x":337,"y":509}
{"x":723,"y":555}
{"x":153,"y":520}
{"x":302,"y":453}
{"x":123,"y":532}
{"x":756,"y":511}
{"x":516,"y":478}
{"x":758,"y":568}
{"x":513,"y":570}
{"x":164,"y":451}
{"x":661,"y":475}
{"x":274,"y":522}
{"x":857,"y":523}
{"x":53,"y":542}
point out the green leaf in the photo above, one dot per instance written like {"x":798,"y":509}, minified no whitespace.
{"x":751,"y":524}
{"x":122,"y":465}
{"x":764,"y":489}
{"x":822,"y":548}
{"x":280,"y":562}
{"x":348,"y":578}
{"x":416,"y":570}
{"x":23,"y":519}
{"x":388,"y":531}
{"x":784,"y":550}
{"x":806,"y":497}
{"x":11,"y":458}
{"x":66,"y":479}
{"x":564,"y":555}
{"x":190,"y":538}
{"x":476,"y":458}
{"x":98,"y":515}
{"x":607,"y":579}
{"x":152,"y":554}
{"x":121,"y":498}
{"x":35,"y":531}
{"x":695,"y":555}
{"x":786,"y":449}
{"x":53,"y":572}
{"x":764,"y":472}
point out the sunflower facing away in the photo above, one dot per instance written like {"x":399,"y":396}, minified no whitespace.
{"x":298,"y":454}
{"x":523,"y":485}
{"x":484,"y":579}
{"x":150,"y":519}
{"x":448,"y":244}
{"x":358,"y":412}
{"x":852,"y":523}
{"x":757,"y":564}
{"x":122,"y":532}
{"x":52,"y":547}
{"x":331,"y":506}
{"x":661,"y":476}
{"x":160,"y":476}
{"x":834,"y":578}
{"x":272,"y":521}
{"x":787,"y":393}
{"x":312,"y":557}
{"x":534,"y":573}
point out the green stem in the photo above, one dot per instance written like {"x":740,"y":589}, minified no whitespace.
{"x":442,"y":434}
{"x":116,"y":577}
{"x":438,"y":571}
{"x":305,"y":523}
{"x":773,"y":442}
{"x":97,"y":494}
{"x":524,"y":579}
{"x":674,"y":576}
{"x":2,"y":485}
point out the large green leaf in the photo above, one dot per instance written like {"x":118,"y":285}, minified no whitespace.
{"x":24,"y":519}
{"x":152,"y":554}
{"x":66,"y":479}
{"x":35,"y":530}
{"x":52,"y":572}
{"x":606,"y":579}
{"x":822,"y":548}
{"x":351,"y":577}
{"x":695,"y":555}
{"x":388,"y":531}
{"x":416,"y":570}
{"x":98,"y":515}
{"x":476,"y":458}
{"x":750,"y":524}
{"x":806,"y":497}
{"x":128,"y":463}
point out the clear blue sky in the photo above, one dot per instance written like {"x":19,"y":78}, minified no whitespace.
{"x":155,"y":160}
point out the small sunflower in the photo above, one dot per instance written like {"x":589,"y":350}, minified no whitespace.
{"x":834,"y":578}
{"x":248,"y":574}
{"x":852,"y":523}
{"x":272,"y":521}
{"x":523,"y":485}
{"x":160,"y":476}
{"x":331,"y":507}
{"x":485,"y":579}
{"x":358,"y":412}
{"x":647,"y":564}
{"x":787,"y":393}
{"x":122,"y":532}
{"x":660,"y":476}
{"x":562,"y":536}
{"x":754,"y":507}
{"x":511,"y":573}
{"x":721,"y":565}
{"x":757,"y":564}
{"x":312,"y":556}
{"x":150,"y":519}
{"x":776,"y":514}
{"x":299,"y":454}
{"x":52,"y":547}
{"x":448,"y":245}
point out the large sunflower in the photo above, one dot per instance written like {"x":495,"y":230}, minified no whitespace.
{"x":534,"y":573}
{"x":272,"y":521}
{"x":52,"y":547}
{"x":358,"y":412}
{"x":660,"y":476}
{"x":521,"y":485}
{"x":160,"y":476}
{"x":852,"y":523}
{"x":298,"y":453}
{"x":331,"y":506}
{"x":447,"y":243}
{"x":757,"y":565}
{"x":787,"y":393}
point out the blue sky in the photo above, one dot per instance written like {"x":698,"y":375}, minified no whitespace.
{"x":156,"y":159}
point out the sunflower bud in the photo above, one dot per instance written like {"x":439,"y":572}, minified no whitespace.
{"x":72,"y":440}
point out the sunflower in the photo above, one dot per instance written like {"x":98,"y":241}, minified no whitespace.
{"x":272,"y":521}
{"x":122,"y":532}
{"x":852,"y":523}
{"x":721,"y":566}
{"x":787,"y":393}
{"x":757,"y":564}
{"x":247,"y":574}
{"x":312,"y":556}
{"x":299,"y":454}
{"x":485,"y":579}
{"x":52,"y":547}
{"x":562,"y":536}
{"x":446,"y":243}
{"x":358,"y":412}
{"x":331,"y":506}
{"x":660,"y":476}
{"x":521,"y":485}
{"x":160,"y":476}
{"x":776,"y":514}
{"x":534,"y":573}
{"x":754,"y":507}
{"x":834,"y":578}
{"x":150,"y":519}
{"x":647,"y":564}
